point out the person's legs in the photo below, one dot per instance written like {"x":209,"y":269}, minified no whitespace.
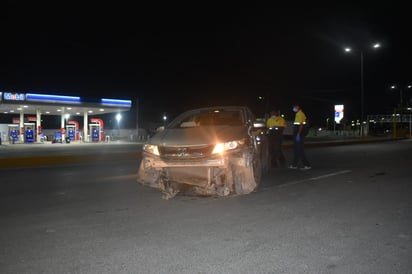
{"x":280,"y":157}
{"x":272,"y":149}
{"x":305,"y":161}
{"x":295,"y":152}
{"x":276,"y":149}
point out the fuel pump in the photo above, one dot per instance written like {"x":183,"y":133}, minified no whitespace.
{"x":71,"y":132}
{"x":29,"y":132}
{"x":13,"y":133}
{"x":98,"y":125}
{"x":76,"y":129}
{"x":95,"y":132}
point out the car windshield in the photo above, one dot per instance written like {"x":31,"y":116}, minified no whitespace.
{"x":215,"y":117}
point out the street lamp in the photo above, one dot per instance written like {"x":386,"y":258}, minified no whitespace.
{"x":400,"y":88}
{"x":349,"y":49}
{"x":164,"y":119}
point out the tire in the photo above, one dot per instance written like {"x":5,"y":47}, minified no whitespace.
{"x":247,"y":178}
{"x":148,"y":177}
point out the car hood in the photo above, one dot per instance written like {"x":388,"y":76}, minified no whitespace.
{"x":198,"y":135}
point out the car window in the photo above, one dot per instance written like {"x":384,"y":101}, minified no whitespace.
{"x":211,"y":118}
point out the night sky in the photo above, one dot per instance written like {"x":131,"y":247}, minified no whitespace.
{"x":173,"y":58}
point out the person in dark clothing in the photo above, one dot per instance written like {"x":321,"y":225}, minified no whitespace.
{"x":299,"y":139}
{"x":275,"y":126}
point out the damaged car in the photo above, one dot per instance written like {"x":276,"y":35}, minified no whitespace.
{"x":213,"y":151}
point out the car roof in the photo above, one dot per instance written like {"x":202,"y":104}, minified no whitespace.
{"x":219,"y":107}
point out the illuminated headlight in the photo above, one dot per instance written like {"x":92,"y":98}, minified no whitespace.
{"x":152,"y":149}
{"x":220,"y":148}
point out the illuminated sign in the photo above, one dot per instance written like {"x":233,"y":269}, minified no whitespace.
{"x":116,"y":102}
{"x":46,"y":98}
{"x":8,"y":96}
{"x":339,"y":110}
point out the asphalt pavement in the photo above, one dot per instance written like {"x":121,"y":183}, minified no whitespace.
{"x":46,"y":153}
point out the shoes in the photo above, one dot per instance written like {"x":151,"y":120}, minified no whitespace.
{"x":305,"y":168}
{"x":293,"y":167}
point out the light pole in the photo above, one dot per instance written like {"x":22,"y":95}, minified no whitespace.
{"x":410,"y":122}
{"x":349,"y":49}
{"x":263,"y":99}
{"x":66,"y":117}
{"x":400,"y":88}
{"x":327,"y":123}
{"x":393,"y":87}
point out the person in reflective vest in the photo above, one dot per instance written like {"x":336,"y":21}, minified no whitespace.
{"x":299,"y":130}
{"x":275,"y":126}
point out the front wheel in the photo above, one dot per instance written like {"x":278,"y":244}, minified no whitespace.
{"x":148,"y":176}
{"x":247,"y":178}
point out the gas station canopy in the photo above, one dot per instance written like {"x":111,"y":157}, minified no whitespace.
{"x":46,"y":104}
{"x":59,"y":105}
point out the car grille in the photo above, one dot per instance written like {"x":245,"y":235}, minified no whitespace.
{"x":183,"y":153}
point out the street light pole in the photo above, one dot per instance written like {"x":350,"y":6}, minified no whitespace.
{"x":348,"y":49}
{"x":400,"y":87}
{"x":362,"y":93}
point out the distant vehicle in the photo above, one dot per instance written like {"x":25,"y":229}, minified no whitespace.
{"x":214,"y":151}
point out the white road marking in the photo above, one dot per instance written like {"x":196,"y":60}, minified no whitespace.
{"x":316,"y":178}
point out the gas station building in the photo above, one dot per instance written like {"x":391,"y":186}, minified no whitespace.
{"x":26,"y":127}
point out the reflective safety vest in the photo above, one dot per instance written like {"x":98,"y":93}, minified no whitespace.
{"x":300,"y":118}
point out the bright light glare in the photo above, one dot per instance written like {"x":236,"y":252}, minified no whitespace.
{"x":151,"y":149}
{"x":348,"y":49}
{"x":220,"y":148}
{"x":118,"y":117}
{"x":376,"y":45}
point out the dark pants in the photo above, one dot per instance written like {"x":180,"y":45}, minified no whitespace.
{"x":299,"y":152}
{"x":275,"y":148}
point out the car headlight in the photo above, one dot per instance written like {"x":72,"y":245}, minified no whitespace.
{"x":152,"y":149}
{"x":220,"y":148}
